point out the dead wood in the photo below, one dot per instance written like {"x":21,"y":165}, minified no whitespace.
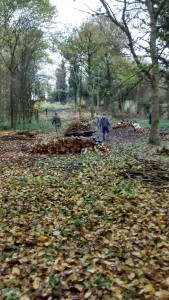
{"x":64,"y":145}
{"x":80,"y":128}
{"x":13,"y":137}
{"x":26,"y":133}
{"x":153,"y":171}
{"x":163,"y":149}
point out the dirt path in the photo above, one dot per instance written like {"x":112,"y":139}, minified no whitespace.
{"x":10,"y":149}
{"x":120,"y":135}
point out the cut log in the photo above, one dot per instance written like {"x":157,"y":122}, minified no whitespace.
{"x":73,"y":144}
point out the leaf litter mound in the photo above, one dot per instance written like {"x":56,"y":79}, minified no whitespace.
{"x":75,"y":227}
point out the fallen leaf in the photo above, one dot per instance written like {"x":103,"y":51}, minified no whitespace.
{"x":162,"y":294}
{"x":36,"y":283}
{"x":87,"y":294}
{"x":15,"y":271}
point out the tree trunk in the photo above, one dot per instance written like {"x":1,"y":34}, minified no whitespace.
{"x":121,"y":105}
{"x":154,"y":135}
{"x":92,"y":111}
{"x":167,"y":97}
{"x":76,"y":100}
{"x":12,"y":100}
{"x":98,"y":102}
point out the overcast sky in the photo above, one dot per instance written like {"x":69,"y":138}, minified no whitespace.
{"x":70,"y":12}
{"x":74,"y":12}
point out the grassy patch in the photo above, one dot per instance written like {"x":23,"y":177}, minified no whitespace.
{"x":52,"y":106}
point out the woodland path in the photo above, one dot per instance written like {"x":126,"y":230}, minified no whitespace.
{"x":120,"y":135}
{"x":121,"y":139}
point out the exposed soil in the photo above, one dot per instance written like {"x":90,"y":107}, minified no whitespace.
{"x":121,"y":135}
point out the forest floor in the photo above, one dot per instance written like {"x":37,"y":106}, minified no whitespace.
{"x":92,"y":225}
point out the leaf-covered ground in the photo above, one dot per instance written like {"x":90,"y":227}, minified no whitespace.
{"x":90,"y":226}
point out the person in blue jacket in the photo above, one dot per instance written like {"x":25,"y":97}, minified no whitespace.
{"x":105,"y":125}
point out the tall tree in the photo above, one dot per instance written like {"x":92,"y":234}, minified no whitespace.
{"x":69,"y":49}
{"x":94,"y":52}
{"x":61,"y":85}
{"x":22,"y":37}
{"x":130,"y":17}
{"x":163,"y":27}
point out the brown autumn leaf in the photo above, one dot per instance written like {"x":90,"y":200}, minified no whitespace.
{"x":76,"y":226}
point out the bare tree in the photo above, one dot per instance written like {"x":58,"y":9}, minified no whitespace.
{"x":138,"y":19}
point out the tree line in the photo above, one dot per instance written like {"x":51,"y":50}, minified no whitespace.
{"x":125,"y":46}
{"x":119,"y":53}
{"x":24,"y":38}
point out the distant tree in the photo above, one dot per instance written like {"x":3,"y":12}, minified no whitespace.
{"x":69,"y":49}
{"x":97,"y":63}
{"x":61,"y":86}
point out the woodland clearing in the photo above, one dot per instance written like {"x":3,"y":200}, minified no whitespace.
{"x":91,"y":225}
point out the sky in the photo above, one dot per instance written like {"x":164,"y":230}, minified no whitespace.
{"x":73,"y":12}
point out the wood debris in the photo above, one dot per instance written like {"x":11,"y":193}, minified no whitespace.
{"x":64,"y":145}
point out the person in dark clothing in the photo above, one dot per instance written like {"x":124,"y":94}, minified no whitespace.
{"x":105,"y":125}
{"x":149,"y":119}
{"x":97,"y":121}
{"x":46,"y":111}
{"x":57,"y":121}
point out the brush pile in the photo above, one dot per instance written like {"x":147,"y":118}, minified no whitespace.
{"x":20,"y":135}
{"x":80,"y":128}
{"x":154,"y":171}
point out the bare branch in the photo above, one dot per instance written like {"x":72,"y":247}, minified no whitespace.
{"x":160,"y":7}
{"x":125,"y":29}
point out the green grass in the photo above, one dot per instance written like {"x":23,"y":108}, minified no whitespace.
{"x":164,"y":123}
{"x":45,"y":122}
{"x":52,"y":106}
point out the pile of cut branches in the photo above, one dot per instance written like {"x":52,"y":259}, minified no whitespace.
{"x":80,"y":128}
{"x":122,"y":124}
{"x":20,"y":135}
{"x":153,"y":171}
{"x":64,"y":145}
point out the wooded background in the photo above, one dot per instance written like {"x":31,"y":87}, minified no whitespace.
{"x":116,"y":60}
